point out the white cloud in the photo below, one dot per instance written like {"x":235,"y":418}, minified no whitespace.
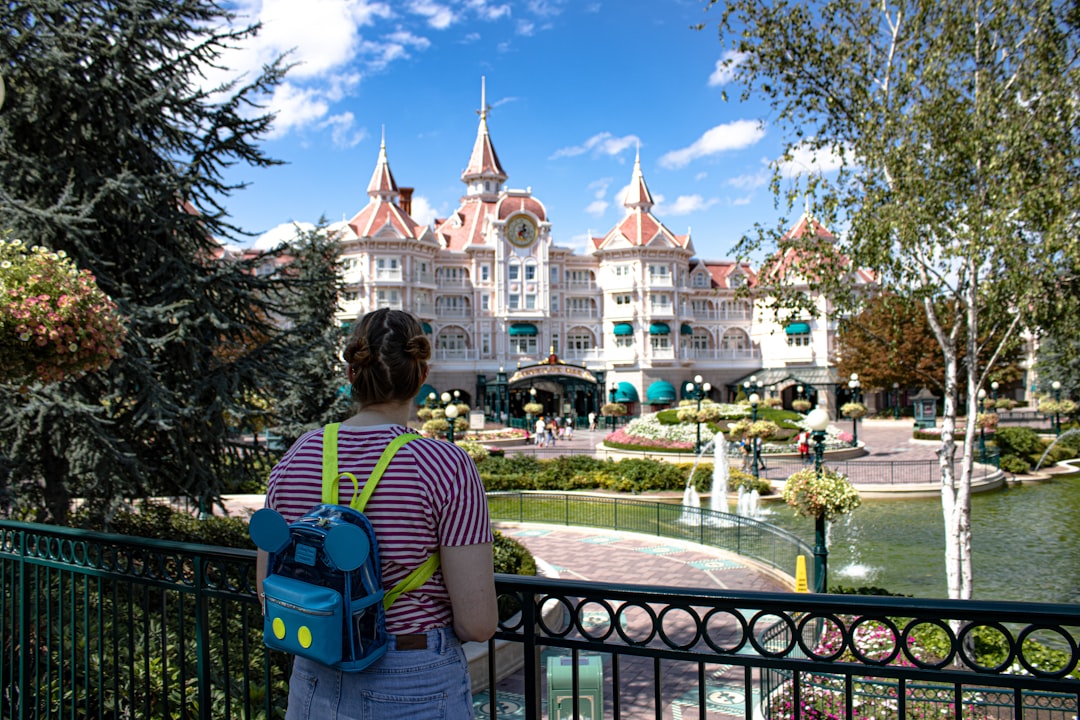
{"x":701,"y":175}
{"x":684,"y":205}
{"x":597,"y":207}
{"x":295,"y":107}
{"x":438,"y":16}
{"x":284,"y":232}
{"x":806,"y":160}
{"x":423,"y":211}
{"x":486,"y":10}
{"x":525,"y":27}
{"x":599,"y":187}
{"x":725,"y":68}
{"x":750,"y":181}
{"x":600,"y":144}
{"x":731,"y":136}
{"x":394,"y":46}
{"x":342,"y":131}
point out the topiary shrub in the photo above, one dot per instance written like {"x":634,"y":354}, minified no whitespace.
{"x":740,"y":479}
{"x":1015,"y":465}
{"x":1022,"y":442}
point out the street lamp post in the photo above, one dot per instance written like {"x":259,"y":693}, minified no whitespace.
{"x":816,"y":421}
{"x":698,"y":390}
{"x":993,"y":389}
{"x":612,"y":420}
{"x":1056,"y":387}
{"x":896,"y":401}
{"x":755,"y":450}
{"x":853,"y":384}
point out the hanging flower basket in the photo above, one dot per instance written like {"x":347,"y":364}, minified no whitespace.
{"x":613,"y":410}
{"x":533,"y":408}
{"x":55,"y":322}
{"x":987,"y":421}
{"x":829,"y":496}
{"x":853,"y":410}
{"x":800,"y":405}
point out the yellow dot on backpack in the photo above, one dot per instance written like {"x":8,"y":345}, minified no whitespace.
{"x":279,"y":628}
{"x":304,"y":636}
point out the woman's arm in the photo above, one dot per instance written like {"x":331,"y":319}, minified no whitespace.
{"x":469,"y":571}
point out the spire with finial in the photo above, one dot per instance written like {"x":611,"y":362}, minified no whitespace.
{"x":484,"y":165}
{"x":382,"y":185}
{"x":638,"y":196}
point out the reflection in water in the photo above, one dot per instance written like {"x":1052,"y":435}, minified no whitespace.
{"x":1025,"y":540}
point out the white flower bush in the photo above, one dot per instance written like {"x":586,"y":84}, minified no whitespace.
{"x":648,"y":427}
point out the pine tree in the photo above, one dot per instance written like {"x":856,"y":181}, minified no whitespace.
{"x":111,"y":151}
{"x":319,"y":393}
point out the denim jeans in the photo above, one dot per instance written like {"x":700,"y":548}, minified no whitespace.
{"x":431,"y":684}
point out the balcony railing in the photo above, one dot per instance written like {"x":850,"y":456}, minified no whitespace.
{"x":99,"y":625}
{"x":721,"y":354}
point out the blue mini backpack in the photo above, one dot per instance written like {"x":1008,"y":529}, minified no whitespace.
{"x":323,"y":594}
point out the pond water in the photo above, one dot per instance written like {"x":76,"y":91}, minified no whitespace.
{"x":1025,"y":542}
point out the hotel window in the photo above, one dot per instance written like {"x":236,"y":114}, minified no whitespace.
{"x":699,"y":341}
{"x":659,"y":342}
{"x":623,"y":299}
{"x":624,"y":341}
{"x":513,"y":301}
{"x":388,"y":298}
{"x":513,"y":271}
{"x":530,"y":272}
{"x":578,"y":342}
{"x":554,"y":304}
{"x":485,"y":273}
{"x":659,"y":272}
{"x":530,"y":301}
{"x":554,"y":276}
{"x":800,"y":339}
{"x":485,"y":343}
{"x":701,"y":279}
{"x":452,"y":341}
{"x":485,"y":302}
{"x":660,"y":302}
{"x":350,"y":296}
{"x":523,"y":344}
{"x":387,"y":269}
{"x":622,"y":270}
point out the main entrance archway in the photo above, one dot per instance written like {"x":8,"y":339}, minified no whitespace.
{"x":562,"y":389}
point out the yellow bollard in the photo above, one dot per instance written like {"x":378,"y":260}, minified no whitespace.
{"x":800,"y":574}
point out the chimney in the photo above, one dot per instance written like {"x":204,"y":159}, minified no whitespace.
{"x":405,"y":199}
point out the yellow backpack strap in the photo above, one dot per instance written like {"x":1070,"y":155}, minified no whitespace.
{"x":359,"y":502}
{"x":330,"y":476}
{"x":413,"y":580}
{"x":331,"y":479}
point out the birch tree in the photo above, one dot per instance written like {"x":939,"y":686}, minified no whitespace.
{"x":953,"y":127}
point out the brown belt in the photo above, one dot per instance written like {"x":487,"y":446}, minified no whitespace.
{"x":416,"y":641}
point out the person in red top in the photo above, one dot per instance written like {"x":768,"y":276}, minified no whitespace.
{"x":430,"y":499}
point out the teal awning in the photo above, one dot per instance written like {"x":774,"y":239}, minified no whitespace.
{"x":659,"y":328}
{"x":626,"y":392}
{"x":426,"y":327}
{"x":624,"y":329}
{"x":686,"y":329}
{"x":425,"y":390}
{"x":798,"y":328}
{"x":660,"y":392}
{"x":522,"y":329}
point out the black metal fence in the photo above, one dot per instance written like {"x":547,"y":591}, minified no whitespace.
{"x":741,"y":535}
{"x":105,"y":626}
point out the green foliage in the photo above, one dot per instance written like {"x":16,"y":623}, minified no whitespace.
{"x":112,"y":153}
{"x":581,"y":472}
{"x":739,"y":479}
{"x":511,"y":557}
{"x":151,"y":519}
{"x":1014,"y":464}
{"x":1022,"y":442}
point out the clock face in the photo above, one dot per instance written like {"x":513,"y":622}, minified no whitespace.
{"x":521,"y":230}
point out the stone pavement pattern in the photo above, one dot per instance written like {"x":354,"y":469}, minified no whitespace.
{"x":627,"y":558}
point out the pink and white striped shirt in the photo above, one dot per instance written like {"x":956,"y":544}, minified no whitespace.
{"x":429,"y":497}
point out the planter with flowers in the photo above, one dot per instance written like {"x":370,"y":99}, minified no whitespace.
{"x":533,"y":408}
{"x":853,"y":410}
{"x":824,"y":495}
{"x":55,"y":322}
{"x":801,"y":405}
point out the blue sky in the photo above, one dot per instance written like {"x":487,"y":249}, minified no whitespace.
{"x":575,"y":87}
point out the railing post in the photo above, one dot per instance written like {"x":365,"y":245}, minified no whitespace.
{"x":24,"y":632}
{"x":202,"y":638}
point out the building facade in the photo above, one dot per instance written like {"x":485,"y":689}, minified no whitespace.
{"x":512,"y":316}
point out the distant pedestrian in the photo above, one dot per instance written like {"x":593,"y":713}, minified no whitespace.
{"x":592,"y":421}
{"x":804,"y":447}
{"x":541,"y":432}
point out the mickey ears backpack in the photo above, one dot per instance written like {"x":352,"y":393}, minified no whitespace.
{"x":323,"y":593}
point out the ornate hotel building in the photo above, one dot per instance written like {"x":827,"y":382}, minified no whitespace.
{"x":512,"y":315}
